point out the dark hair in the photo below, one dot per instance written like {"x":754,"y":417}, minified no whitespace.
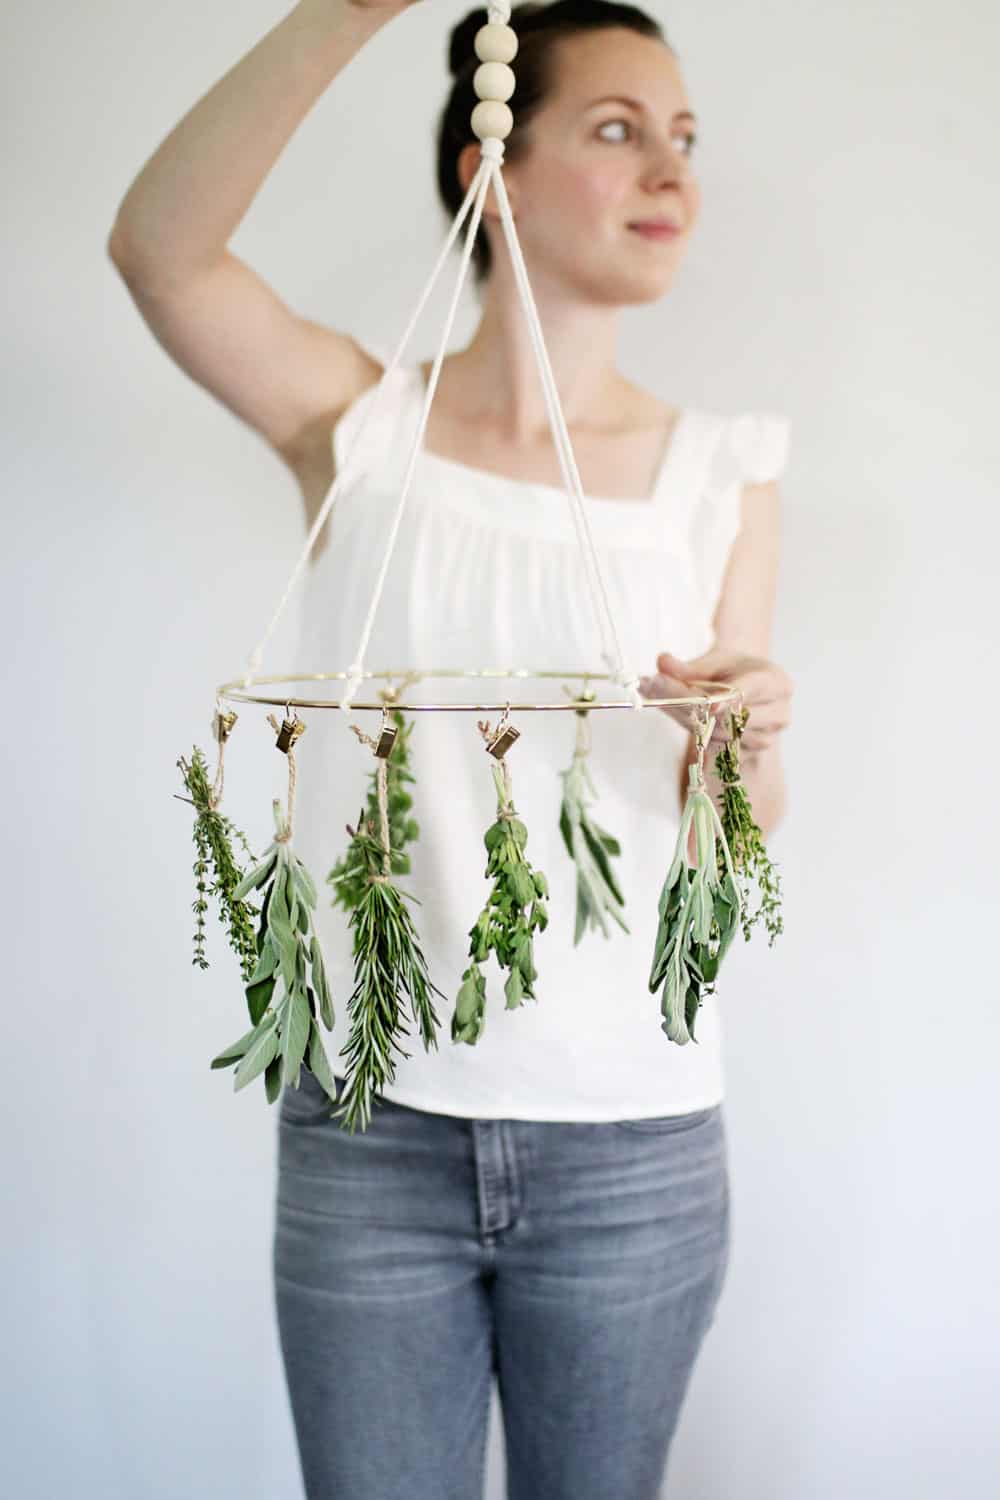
{"x":537,"y":27}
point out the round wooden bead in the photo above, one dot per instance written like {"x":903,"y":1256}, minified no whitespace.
{"x":493,"y":80}
{"x":495,"y":43}
{"x":491,"y":117}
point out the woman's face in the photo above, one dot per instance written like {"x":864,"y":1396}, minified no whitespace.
{"x":596,"y":165}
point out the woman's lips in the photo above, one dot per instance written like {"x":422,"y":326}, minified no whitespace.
{"x":656,"y":231}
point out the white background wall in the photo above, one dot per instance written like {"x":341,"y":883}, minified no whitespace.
{"x":844,"y":272}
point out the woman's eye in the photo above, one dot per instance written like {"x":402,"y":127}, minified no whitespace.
{"x":688,"y":137}
{"x":626,"y":123}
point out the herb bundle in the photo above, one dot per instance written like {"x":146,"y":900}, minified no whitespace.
{"x":349,"y":876}
{"x":698,"y":912}
{"x":285,"y":1033}
{"x":744,"y":838}
{"x":514,"y":911}
{"x":213,"y":836}
{"x":598,"y":894}
{"x":388,"y":961}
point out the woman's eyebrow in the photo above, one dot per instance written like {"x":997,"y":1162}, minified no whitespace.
{"x":682,"y":114}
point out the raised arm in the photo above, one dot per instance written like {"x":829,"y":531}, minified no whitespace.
{"x":287,"y":377}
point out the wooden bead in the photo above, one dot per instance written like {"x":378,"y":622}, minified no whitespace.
{"x":495,"y":43}
{"x":491,"y":117}
{"x":493,"y":80}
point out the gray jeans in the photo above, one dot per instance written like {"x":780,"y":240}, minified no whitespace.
{"x":580,"y":1264}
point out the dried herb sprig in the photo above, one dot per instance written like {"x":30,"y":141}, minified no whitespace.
{"x":285,"y":1032}
{"x":744,"y":838}
{"x":698,"y":913}
{"x":598,"y":894}
{"x":214,"y":834}
{"x":388,"y":963}
{"x":514,"y":911}
{"x":349,"y":876}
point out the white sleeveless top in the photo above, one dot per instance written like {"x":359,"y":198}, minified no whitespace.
{"x":487,"y":572}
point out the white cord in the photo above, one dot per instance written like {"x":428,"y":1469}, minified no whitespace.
{"x":482,"y":179}
{"x":337,"y":487}
{"x":564,"y":451}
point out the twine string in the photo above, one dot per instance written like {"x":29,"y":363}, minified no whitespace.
{"x":285,"y":838}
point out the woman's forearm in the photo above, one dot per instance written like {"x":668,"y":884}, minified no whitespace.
{"x":189,"y":198}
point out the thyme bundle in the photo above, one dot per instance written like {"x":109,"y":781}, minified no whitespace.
{"x":514,"y":910}
{"x":213,"y":835}
{"x":698,"y":911}
{"x":744,"y":838}
{"x":349,"y":876}
{"x":285,"y":1033}
{"x":598,"y":894}
{"x":388,"y":960}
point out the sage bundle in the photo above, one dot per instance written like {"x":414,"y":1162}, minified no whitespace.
{"x":698,"y":913}
{"x":216,"y":871}
{"x":388,"y":960}
{"x":286,"y":1022}
{"x":349,"y":876}
{"x":514,"y":910}
{"x":590,"y":847}
{"x":744,"y":838}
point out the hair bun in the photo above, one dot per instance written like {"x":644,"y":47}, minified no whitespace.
{"x":461,"y":47}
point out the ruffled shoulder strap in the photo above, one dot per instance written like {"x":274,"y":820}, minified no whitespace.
{"x":759,"y":443}
{"x":749,"y":448}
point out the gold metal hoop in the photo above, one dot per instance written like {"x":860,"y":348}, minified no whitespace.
{"x":235,"y":692}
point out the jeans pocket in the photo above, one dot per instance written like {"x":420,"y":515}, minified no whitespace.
{"x":669,"y":1124}
{"x":308,"y":1104}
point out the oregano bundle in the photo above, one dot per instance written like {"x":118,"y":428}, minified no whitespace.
{"x":514,"y":910}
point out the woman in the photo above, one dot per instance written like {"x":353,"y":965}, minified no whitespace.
{"x":551,"y":1204}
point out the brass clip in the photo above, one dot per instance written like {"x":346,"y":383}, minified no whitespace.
{"x":386,"y":737}
{"x":222,"y":724}
{"x":289,"y":732}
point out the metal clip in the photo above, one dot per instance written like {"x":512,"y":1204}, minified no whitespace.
{"x":386,"y":737}
{"x":222,"y":724}
{"x":502,"y":741}
{"x":289,"y":732}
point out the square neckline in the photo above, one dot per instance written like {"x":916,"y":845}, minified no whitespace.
{"x":666,"y":464}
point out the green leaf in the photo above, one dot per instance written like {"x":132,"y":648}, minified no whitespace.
{"x":257,"y":1058}
{"x":259,"y":997}
{"x":232,"y":1054}
{"x":272,"y":1080}
{"x":304,"y":882}
{"x":255,"y":877}
{"x":319,"y":1066}
{"x":296,"y":1035}
{"x":321,"y":983}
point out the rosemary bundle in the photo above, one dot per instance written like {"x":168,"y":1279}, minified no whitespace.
{"x":213,"y":836}
{"x":388,"y":963}
{"x":698,"y":912}
{"x":598,"y":894}
{"x":349,"y":876}
{"x":513,"y":912}
{"x":285,"y":1033}
{"x":744,"y":838}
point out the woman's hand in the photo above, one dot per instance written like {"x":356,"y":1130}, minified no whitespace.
{"x":766,"y":689}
